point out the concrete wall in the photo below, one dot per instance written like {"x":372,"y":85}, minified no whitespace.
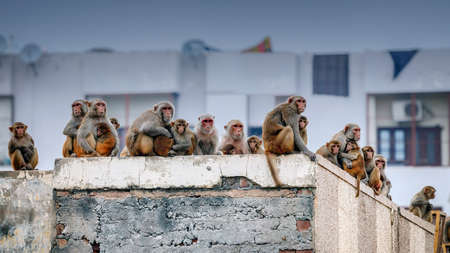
{"x":200,"y":204}
{"x":27,"y":211}
{"x":366,"y":224}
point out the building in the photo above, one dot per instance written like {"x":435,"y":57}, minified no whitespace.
{"x":340,"y":88}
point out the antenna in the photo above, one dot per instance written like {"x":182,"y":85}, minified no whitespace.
{"x":30,"y":54}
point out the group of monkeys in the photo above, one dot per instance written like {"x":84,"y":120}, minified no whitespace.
{"x":91,"y":134}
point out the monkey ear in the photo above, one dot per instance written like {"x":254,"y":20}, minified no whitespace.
{"x":346,"y":129}
{"x":11,"y":129}
{"x":198,"y":118}
{"x":88,"y":103}
{"x":172,"y":123}
{"x":290,"y":100}
{"x":155,"y":107}
{"x":25,"y":128}
{"x":225,"y":127}
{"x":187,"y":123}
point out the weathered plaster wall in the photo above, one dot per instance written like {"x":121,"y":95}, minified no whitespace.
{"x":27,"y":211}
{"x":243,"y":219}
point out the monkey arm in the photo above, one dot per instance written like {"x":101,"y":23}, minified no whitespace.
{"x":351,"y":157}
{"x":153,"y":131}
{"x":83,"y":133}
{"x":181,"y":147}
{"x":11,"y":147}
{"x":71,"y":129}
{"x":298,"y":140}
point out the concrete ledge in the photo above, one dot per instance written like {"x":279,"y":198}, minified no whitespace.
{"x":416,"y":220}
{"x":344,"y":176}
{"x":178,"y":172}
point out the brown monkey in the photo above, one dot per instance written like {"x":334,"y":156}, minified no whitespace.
{"x":87,"y":133}
{"x":420,"y":204}
{"x":368,"y":153}
{"x":141,"y":135}
{"x":79,"y":110}
{"x":115,"y":123}
{"x":234,"y":135}
{"x":351,"y":132}
{"x":357,"y":168}
{"x":375,"y":180}
{"x":381,"y":163}
{"x":330,"y":151}
{"x":184,"y":138}
{"x":281,"y":133}
{"x":230,"y":149}
{"x":21,"y":148}
{"x":302,"y":123}
{"x":206,"y":136}
{"x":105,"y":140}
{"x":255,"y":145}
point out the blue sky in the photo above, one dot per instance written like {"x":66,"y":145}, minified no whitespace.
{"x":294,"y":26}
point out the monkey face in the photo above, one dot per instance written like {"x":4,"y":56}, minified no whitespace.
{"x":368,"y":153}
{"x":380,"y":164}
{"x":166,"y":112}
{"x":100,"y":108}
{"x":207,"y":124}
{"x":19,"y":130}
{"x":356,"y":133}
{"x":302,"y":123}
{"x":180,"y":128}
{"x":77,"y":109}
{"x":334,"y":149}
{"x":252,"y":143}
{"x":236,"y":130}
{"x":301,"y":104}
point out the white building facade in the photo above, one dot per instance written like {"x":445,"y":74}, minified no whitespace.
{"x":340,"y":88}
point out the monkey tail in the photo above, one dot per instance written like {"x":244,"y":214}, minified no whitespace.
{"x":273,"y":170}
{"x":358,"y":181}
{"x":130,"y":141}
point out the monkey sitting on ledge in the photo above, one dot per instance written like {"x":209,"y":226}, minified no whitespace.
{"x":21,"y":148}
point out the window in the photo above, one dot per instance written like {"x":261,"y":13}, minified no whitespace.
{"x":330,"y":75}
{"x":6,"y":119}
{"x":395,"y":145}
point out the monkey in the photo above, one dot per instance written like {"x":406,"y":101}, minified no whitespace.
{"x":21,"y":148}
{"x":124,"y":152}
{"x":330,"y":151}
{"x":183,"y":137}
{"x":230,"y":149}
{"x":206,"y":136}
{"x":350,"y":132}
{"x":79,"y":110}
{"x":368,"y":153}
{"x":140,"y":139}
{"x":302,"y":123}
{"x":357,"y":168}
{"x":105,"y":140}
{"x":420,"y":204}
{"x":375,"y":180}
{"x":115,"y":123}
{"x":255,"y":145}
{"x":162,"y":145}
{"x":281,"y":135}
{"x":381,"y":163}
{"x":234,"y":135}
{"x":87,"y":133}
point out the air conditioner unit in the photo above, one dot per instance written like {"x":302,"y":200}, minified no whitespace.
{"x":402,"y":110}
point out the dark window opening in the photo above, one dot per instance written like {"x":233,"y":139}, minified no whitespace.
{"x":330,"y":75}
{"x":395,"y":144}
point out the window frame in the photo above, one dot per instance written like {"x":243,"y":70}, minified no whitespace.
{"x":421,"y":142}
